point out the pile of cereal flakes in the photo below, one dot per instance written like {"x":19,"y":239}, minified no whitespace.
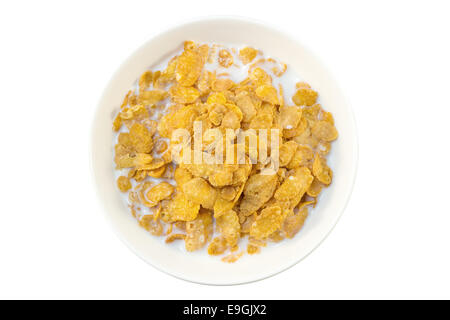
{"x":187,"y":201}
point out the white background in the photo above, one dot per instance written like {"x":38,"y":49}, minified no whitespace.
{"x":392,"y":58}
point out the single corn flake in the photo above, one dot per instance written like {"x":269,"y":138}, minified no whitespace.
{"x":160,"y":192}
{"x":180,"y":209}
{"x":148,"y":163}
{"x":262,"y":121}
{"x":143,"y":160}
{"x":199,"y":191}
{"x":229,"y":227}
{"x":299,"y":85}
{"x":124,"y":183}
{"x":175,"y":236}
{"x":126,"y":99}
{"x":321,"y":171}
{"x":228,"y":193}
{"x":188,"y":68}
{"x":290,"y":116}
{"x":140,"y":175}
{"x":327,"y":116}
{"x":233,"y":257}
{"x":152,"y":97}
{"x":247,"y":55}
{"x":145,"y":80}
{"x":294,"y":223}
{"x":277,"y":236}
{"x":156,"y":173}
{"x":252,"y":249}
{"x":268,"y":221}
{"x":307,"y":139}
{"x":160,"y":146}
{"x":124,"y":161}
{"x":203,"y":51}
{"x":294,"y":187}
{"x":161,"y":79}
{"x":117,"y":123}
{"x":217,"y":246}
{"x":315,"y":188}
{"x":182,"y":118}
{"x":259,"y":77}
{"x":245,"y":104}
{"x":241,"y":199}
{"x":222,"y":206}
{"x":279,"y":71}
{"x":302,"y":156}
{"x":324,"y":148}
{"x":222,"y":84}
{"x":216,"y":97}
{"x":230,"y":120}
{"x":141,"y":138}
{"x":257,"y":191}
{"x":225,"y":58}
{"x":267,"y":93}
{"x":247,"y":222}
{"x":198,"y":231}
{"x":151,"y":225}
{"x":189,"y":45}
{"x":286,"y":152}
{"x":312,"y":113}
{"x":184,"y":95}
{"x":324,"y":130}
{"x":296,"y":131}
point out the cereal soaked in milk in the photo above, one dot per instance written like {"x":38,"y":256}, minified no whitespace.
{"x":214,"y":206}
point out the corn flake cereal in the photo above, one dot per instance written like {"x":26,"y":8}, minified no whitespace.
{"x":212,"y":206}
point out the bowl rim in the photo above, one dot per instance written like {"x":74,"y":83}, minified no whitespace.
{"x":230,"y":18}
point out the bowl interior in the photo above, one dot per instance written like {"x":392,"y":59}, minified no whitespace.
{"x":198,"y":266}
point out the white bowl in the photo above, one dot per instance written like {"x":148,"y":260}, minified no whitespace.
{"x":198,"y":266}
